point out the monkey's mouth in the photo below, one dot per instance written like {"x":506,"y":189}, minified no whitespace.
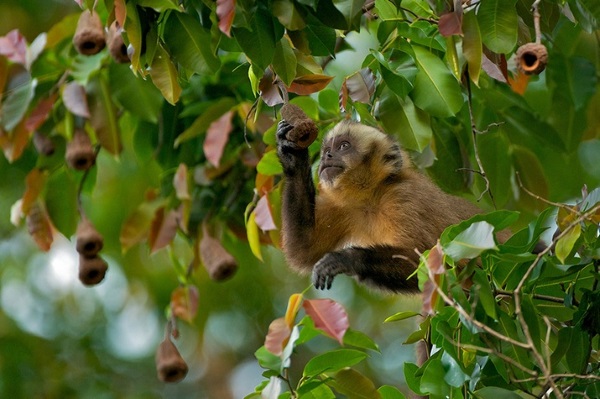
{"x":330,"y":172}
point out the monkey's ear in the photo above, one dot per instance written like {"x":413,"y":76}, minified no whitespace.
{"x":304,"y":131}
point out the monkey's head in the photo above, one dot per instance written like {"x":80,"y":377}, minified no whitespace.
{"x":356,"y":154}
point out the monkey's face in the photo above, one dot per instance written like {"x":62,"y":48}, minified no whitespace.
{"x":338,"y":154}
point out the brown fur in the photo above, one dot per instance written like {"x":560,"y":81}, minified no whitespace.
{"x":373,"y":202}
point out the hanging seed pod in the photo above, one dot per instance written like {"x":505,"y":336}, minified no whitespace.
{"x":80,"y":153}
{"x":305,"y":130}
{"x":42,"y":143}
{"x":89,"y":241}
{"x":218,"y":262}
{"x":170,"y":366}
{"x":532,"y":58}
{"x":89,"y":35}
{"x":116,"y":46}
{"x":92,"y":270}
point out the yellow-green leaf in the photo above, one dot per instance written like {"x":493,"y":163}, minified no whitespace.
{"x":564,"y":246}
{"x":164,"y":75}
{"x":253,"y":236}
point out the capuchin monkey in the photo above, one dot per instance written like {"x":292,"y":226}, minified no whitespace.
{"x":372,"y":213}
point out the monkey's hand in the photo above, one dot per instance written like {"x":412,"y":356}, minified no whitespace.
{"x":332,"y":264}
{"x":293,"y":157}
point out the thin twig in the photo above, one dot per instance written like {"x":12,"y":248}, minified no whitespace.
{"x":544,"y":200}
{"x":536,"y":21}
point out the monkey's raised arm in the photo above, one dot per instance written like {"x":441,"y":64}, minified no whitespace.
{"x":301,"y":244}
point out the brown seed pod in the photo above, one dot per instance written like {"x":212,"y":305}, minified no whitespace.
{"x":89,"y":35}
{"x":92,"y":270}
{"x":116,"y":45}
{"x":218,"y":262}
{"x":89,"y":241}
{"x":42,"y":143}
{"x":305,"y":130}
{"x":170,"y":366}
{"x":80,"y":153}
{"x":532,"y":58}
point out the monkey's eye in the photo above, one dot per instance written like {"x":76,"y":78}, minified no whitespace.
{"x":344,"y":145}
{"x":326,"y":150}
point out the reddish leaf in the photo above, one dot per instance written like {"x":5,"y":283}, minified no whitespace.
{"x":343,"y":101}
{"x":328,"y":316}
{"x":264,"y":218}
{"x":217,"y":136}
{"x":361,"y":85}
{"x":75,"y":99}
{"x":308,"y":84}
{"x":40,"y":113}
{"x":451,"y":23}
{"x":14,"y":144}
{"x":435,"y":264}
{"x":269,"y":91}
{"x":163,"y":229}
{"x":34,"y":184}
{"x":39,"y":227}
{"x":180,"y":183}
{"x":225,"y":13}
{"x":184,"y":303}
{"x":14,"y":47}
{"x":120,"y":12}
{"x":278,"y":336}
{"x":263,"y":183}
{"x":79,"y":3}
{"x":494,"y":70}
{"x":293,"y":307}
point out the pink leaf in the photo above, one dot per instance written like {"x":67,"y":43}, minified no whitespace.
{"x":328,"y":316}
{"x":278,"y":336}
{"x":40,"y":113}
{"x":79,"y":3}
{"x":163,"y":229}
{"x":217,"y":136}
{"x":436,"y":266}
{"x":75,"y":99}
{"x":264,"y":218}
{"x":180,"y":182}
{"x":14,"y":47}
{"x":225,"y":13}
{"x":451,"y":24}
{"x":361,"y":85}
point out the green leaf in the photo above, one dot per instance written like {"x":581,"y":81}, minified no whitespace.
{"x":287,"y":13}
{"x":359,"y":340}
{"x":401,"y":316}
{"x":190,"y":44}
{"x":418,"y":7}
{"x":136,"y":95}
{"x":267,"y":360}
{"x":403,"y":119}
{"x":472,"y":46}
{"x":471,"y":242}
{"x":259,"y":41}
{"x":104,"y":114}
{"x":531,"y":173}
{"x":61,"y":201}
{"x":284,"y":61}
{"x":577,"y":355}
{"x":333,"y":361}
{"x":493,"y":147}
{"x":201,"y":124}
{"x":15,"y":104}
{"x":499,"y":24}
{"x":321,"y":38}
{"x":495,"y":393}
{"x":351,"y":10}
{"x":565,"y":245}
{"x":432,"y":381}
{"x":389,"y":392}
{"x":532,"y":318}
{"x":84,"y":68}
{"x":133,"y":27}
{"x":160,"y":5}
{"x":413,"y":377}
{"x":436,"y":90}
{"x":385,"y":10}
{"x":269,"y":164}
{"x":354,"y":385}
{"x":164,"y":75}
{"x":484,"y":293}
